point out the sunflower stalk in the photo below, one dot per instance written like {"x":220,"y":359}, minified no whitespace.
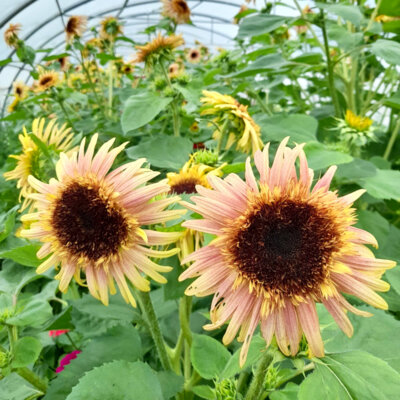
{"x":174,"y":106}
{"x":150,"y":317}
{"x":392,"y":139}
{"x":257,"y":383}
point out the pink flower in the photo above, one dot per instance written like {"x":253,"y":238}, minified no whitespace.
{"x":58,"y":332}
{"x":66,"y":360}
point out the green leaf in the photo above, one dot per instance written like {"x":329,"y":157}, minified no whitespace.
{"x":345,"y":39}
{"x":34,"y":313}
{"x":308,"y":58}
{"x":389,"y":7}
{"x":383,"y":185}
{"x":26,"y":352}
{"x":208,"y":356}
{"x":141,"y":108}
{"x":163,"y":151}
{"x":289,"y":392}
{"x":370,"y":334}
{"x":356,"y":170}
{"x":301,"y":128}
{"x":55,"y":57}
{"x":347,"y":12}
{"x":351,"y":375}
{"x":232,"y":367}
{"x":119,"y":343}
{"x":319,"y":157}
{"x":7,"y":222}
{"x":173,"y":289}
{"x":204,"y":391}
{"x":394,"y":101}
{"x":5,"y":62}
{"x":389,"y":50}
{"x":24,"y":254}
{"x":170,"y":383}
{"x":118,"y":380}
{"x":259,"y":24}
{"x":13,"y":387}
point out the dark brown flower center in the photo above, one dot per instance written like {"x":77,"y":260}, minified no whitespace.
{"x":286,"y":247}
{"x":72,"y":25}
{"x":18,"y":90}
{"x":45,"y":80}
{"x":87,"y":223}
{"x":187,"y":185}
{"x":182,"y":6}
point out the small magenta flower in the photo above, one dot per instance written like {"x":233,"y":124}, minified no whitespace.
{"x":67,"y":359}
{"x":58,"y":332}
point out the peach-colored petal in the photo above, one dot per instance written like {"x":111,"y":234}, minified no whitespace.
{"x":324,"y":183}
{"x":291,"y":322}
{"x":250,"y":178}
{"x":65,"y":275}
{"x":261,"y":160}
{"x":362,"y":237}
{"x":336,"y":310}
{"x":203,"y":225}
{"x":352,"y":197}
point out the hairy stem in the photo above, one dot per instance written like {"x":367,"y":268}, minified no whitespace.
{"x":257,"y":383}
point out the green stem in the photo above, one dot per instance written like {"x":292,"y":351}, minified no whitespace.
{"x":110,"y":88}
{"x":263,"y":105}
{"x":258,"y":380}
{"x":176,"y":353}
{"x":185,"y":306}
{"x":373,"y":15}
{"x":72,"y":342}
{"x":32,"y":378}
{"x":331,"y":82}
{"x":147,"y":308}
{"x":12,"y":336}
{"x":392,"y":139}
{"x":60,"y":102}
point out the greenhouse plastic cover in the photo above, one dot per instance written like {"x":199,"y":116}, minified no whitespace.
{"x":43,"y":26}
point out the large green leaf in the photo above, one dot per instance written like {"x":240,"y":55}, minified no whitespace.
{"x":33,"y":313}
{"x":170,"y":383}
{"x":319,"y":157}
{"x":26,"y":352}
{"x":345,"y":39}
{"x":259,"y":24}
{"x":13,"y":387}
{"x":301,"y":128}
{"x":394,"y":101}
{"x":208,"y":356}
{"x":163,"y":151}
{"x":14,"y":277}
{"x":389,"y":50}
{"x":7,"y":222}
{"x":347,"y":12}
{"x":118,"y":380}
{"x":24,"y":254}
{"x":119,"y":343}
{"x":289,"y":392}
{"x":389,"y":7}
{"x":383,"y":185}
{"x":141,"y":108}
{"x":353,"y":375}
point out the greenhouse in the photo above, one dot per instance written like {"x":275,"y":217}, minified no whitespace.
{"x":199,"y":199}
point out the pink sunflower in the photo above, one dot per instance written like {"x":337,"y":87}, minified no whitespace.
{"x":92,"y":220}
{"x":281,"y":246}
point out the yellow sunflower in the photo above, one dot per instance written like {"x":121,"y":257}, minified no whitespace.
{"x":75,"y":27}
{"x":177,"y":10}
{"x":110,"y":28}
{"x":158,"y":46}
{"x":233,"y":120}
{"x":31,"y":161}
{"x":47,"y":79}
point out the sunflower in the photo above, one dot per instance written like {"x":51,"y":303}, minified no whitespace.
{"x":357,"y":122}
{"x":90,"y":220}
{"x":280,"y":247}
{"x":175,"y":70}
{"x":11,"y":35}
{"x":234,"y":117}
{"x":20,"y":90}
{"x":161,"y":45}
{"x":127,"y":68}
{"x":32,"y":161}
{"x":75,"y":27}
{"x":110,"y":28}
{"x":185,"y":182}
{"x":194,"y":56}
{"x":177,"y":10}
{"x":47,"y":79}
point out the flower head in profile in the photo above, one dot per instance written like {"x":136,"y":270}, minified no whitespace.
{"x":11,"y":35}
{"x":110,"y":28}
{"x":32,"y":161}
{"x":194,"y":56}
{"x":75,"y":27}
{"x":91,"y":222}
{"x":355,"y":131}
{"x":177,"y":10}
{"x":282,"y":245}
{"x":160,"y":46}
{"x":235,"y":123}
{"x":47,"y":79}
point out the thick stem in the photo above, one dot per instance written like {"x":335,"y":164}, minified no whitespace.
{"x":12,"y":336}
{"x":110,"y":88}
{"x":331,"y":82}
{"x":257,"y":383}
{"x":147,"y":308}
{"x":392,"y":139}
{"x":32,"y":378}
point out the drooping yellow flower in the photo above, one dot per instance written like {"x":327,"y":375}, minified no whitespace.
{"x":12,"y":106}
{"x":110,"y":28}
{"x":75,"y":27}
{"x":31,"y":161}
{"x":357,"y":122}
{"x":158,"y":46}
{"x":11,"y":35}
{"x":91,"y":221}
{"x":281,"y":246}
{"x":177,"y":10}
{"x":47,"y":79}
{"x":233,"y":120}
{"x":386,"y":18}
